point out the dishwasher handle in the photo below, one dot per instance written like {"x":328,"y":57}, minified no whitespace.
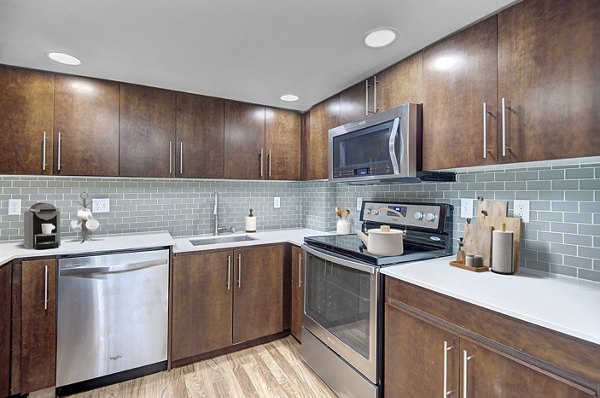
{"x":81,"y":271}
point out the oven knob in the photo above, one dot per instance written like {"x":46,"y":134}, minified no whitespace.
{"x":418,"y":215}
{"x":429,"y":216}
{"x":368,"y":211}
{"x":376,"y":212}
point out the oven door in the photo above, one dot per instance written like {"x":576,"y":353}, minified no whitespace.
{"x":341,"y":308}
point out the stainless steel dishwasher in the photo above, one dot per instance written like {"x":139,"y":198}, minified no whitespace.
{"x":112,"y":317}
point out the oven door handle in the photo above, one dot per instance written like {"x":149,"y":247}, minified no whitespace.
{"x":339,"y":260}
{"x":392,"y":146}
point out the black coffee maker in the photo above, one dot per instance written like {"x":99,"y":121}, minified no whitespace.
{"x":42,"y":227}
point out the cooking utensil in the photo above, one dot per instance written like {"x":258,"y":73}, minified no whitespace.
{"x":338,"y":211}
{"x":347,"y":213}
{"x":383,"y":241}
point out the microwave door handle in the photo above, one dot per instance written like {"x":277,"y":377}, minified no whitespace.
{"x":393,"y":136}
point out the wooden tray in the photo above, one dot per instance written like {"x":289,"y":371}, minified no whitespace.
{"x":463,"y":266}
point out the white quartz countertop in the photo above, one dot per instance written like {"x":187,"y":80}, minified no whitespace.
{"x":69,"y":246}
{"x":294,"y":236}
{"x":564,"y":304}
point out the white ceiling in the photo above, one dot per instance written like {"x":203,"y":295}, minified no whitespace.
{"x":252,"y":51}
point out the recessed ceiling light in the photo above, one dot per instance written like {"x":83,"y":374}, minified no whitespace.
{"x":380,"y":37}
{"x":64,"y":58}
{"x":289,"y":98}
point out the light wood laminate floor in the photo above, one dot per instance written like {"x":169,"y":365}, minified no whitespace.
{"x":270,"y":370}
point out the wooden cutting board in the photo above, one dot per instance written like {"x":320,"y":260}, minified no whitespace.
{"x":512,"y":224}
{"x":478,"y":240}
{"x":493,"y":208}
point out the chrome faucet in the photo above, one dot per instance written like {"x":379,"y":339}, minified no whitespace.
{"x":216,"y":214}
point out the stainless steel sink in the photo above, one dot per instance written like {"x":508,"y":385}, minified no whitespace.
{"x":221,"y":239}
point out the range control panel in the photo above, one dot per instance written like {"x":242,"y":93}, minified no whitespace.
{"x":429,"y":216}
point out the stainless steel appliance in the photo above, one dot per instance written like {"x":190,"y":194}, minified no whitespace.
{"x":343,"y":298}
{"x":384,"y":146}
{"x":35,"y":217}
{"x":112,"y":318}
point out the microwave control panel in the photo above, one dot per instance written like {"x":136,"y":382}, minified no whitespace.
{"x":427,"y":216}
{"x":373,"y":170}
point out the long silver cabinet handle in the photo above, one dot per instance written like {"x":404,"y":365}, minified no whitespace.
{"x":270,"y":165}
{"x":375,"y":82}
{"x":503,"y":126}
{"x":58,"y":156}
{"x":44,"y":153}
{"x":261,"y":162}
{"x":170,"y":157}
{"x":446,"y":349}
{"x":466,"y":359}
{"x":228,"y":272}
{"x":367,"y":97}
{"x":300,"y":270}
{"x":45,"y":287}
{"x":181,"y":158}
{"x":239,"y":281}
{"x":485,"y":130}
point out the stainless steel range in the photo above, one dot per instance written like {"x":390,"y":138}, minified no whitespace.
{"x":343,"y":296}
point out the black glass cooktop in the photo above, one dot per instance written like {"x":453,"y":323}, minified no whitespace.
{"x":351,"y":246}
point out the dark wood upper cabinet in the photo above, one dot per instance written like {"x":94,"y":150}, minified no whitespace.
{"x":86,"y":116}
{"x":202,"y":303}
{"x":245,"y":156}
{"x":323,"y":116}
{"x":26,"y":116}
{"x":5,"y":303}
{"x":282,"y":143}
{"x":200,"y":136}
{"x":459,"y":80}
{"x":297,"y":292}
{"x":147,"y":131}
{"x":549,"y":71}
{"x":353,"y":103}
{"x":258,"y":292}
{"x":34,"y":362}
{"x":401,"y":83}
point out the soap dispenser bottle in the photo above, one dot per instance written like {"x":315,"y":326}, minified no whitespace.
{"x":250,"y":222}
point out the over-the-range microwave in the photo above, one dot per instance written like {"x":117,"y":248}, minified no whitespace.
{"x":383,"y":147}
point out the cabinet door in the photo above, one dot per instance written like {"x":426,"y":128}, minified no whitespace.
{"x":5,"y":294}
{"x":459,"y":77}
{"x":353,"y":103}
{"x":26,"y":112}
{"x":401,"y":83}
{"x":297,"y":292}
{"x":323,"y":117}
{"x":245,"y":156}
{"x":282,"y":136}
{"x":416,"y":356}
{"x":86,"y":115}
{"x":38,"y":325}
{"x":202,"y":303}
{"x":200,"y":136}
{"x":549,"y":73}
{"x":147,"y":131}
{"x":258,"y":292}
{"x":490,"y":374}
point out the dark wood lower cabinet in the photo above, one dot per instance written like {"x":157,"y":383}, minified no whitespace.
{"x":258,"y":293}
{"x":428,"y":356}
{"x":202,"y":303}
{"x":222,"y":298}
{"x":34,"y":326}
{"x":5,"y":278}
{"x":297,"y":292}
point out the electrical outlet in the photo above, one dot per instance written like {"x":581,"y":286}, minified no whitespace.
{"x":466,"y":208}
{"x":521,"y":209}
{"x":277,"y":202}
{"x":100,"y":205}
{"x":14,"y":207}
{"x":358,"y":204}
